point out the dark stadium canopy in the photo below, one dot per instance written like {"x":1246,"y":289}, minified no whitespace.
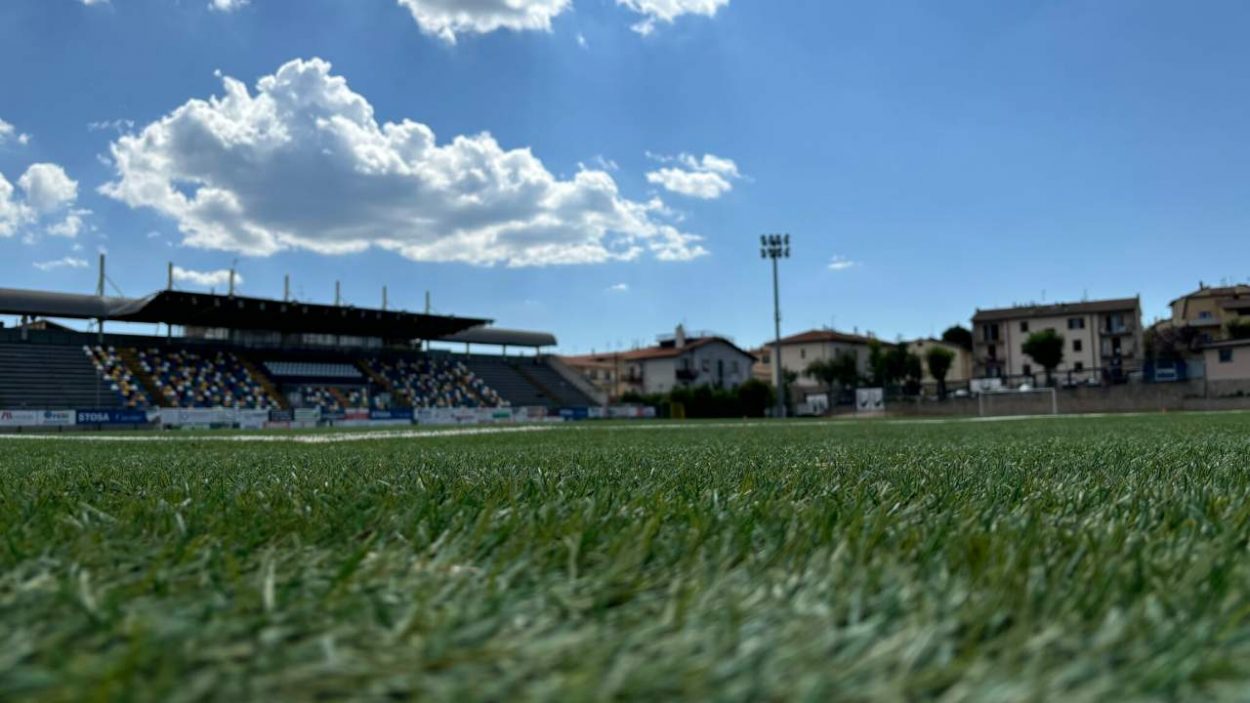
{"x":504,"y":338}
{"x":237,"y":312}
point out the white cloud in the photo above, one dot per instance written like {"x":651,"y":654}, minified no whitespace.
{"x":448,"y":18}
{"x":707,"y":178}
{"x":581,"y":41}
{"x":90,"y":3}
{"x":118,"y":126}
{"x":841,"y":263}
{"x":46,"y":198}
{"x":206,"y":279}
{"x":69,"y":262}
{"x":226,"y":5}
{"x":304,"y":164}
{"x":48,"y":188}
{"x":9,"y":133}
{"x":619,"y":288}
{"x":667,"y":11}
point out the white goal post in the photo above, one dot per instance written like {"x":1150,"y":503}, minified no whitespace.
{"x":1032,"y":401}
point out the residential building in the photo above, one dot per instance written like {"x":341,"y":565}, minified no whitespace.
{"x":1102,"y":339}
{"x":800,"y":350}
{"x":961,"y":366}
{"x":1227,"y":366}
{"x":1208,"y":310}
{"x":681,"y":360}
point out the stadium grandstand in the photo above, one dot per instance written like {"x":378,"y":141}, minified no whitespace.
{"x":246,"y":353}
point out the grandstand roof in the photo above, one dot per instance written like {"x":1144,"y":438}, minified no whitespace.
{"x":237,"y":312}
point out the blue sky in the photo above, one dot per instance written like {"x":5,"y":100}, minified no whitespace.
{"x":928,"y":158}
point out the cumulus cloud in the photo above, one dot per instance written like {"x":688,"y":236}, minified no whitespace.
{"x":206,"y":279}
{"x":447,"y":19}
{"x":841,"y":263}
{"x":9,"y":133}
{"x":303,"y":164}
{"x":46,"y":198}
{"x":226,"y":5}
{"x":707,"y":178}
{"x":619,"y":288}
{"x":48,"y":188}
{"x":69,"y":262}
{"x":667,"y":11}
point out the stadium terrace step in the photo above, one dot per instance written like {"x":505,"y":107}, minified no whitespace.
{"x":38,"y":376}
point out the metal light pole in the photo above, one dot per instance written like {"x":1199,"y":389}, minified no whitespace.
{"x":776,"y":246}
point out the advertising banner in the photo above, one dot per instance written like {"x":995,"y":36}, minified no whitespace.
{"x":395,"y":415}
{"x":112,"y":417}
{"x":252,"y":419}
{"x":197,"y":417}
{"x":57,"y":418}
{"x":281,"y":416}
{"x":575,"y":413}
{"x":305,"y":415}
{"x":20,"y":418}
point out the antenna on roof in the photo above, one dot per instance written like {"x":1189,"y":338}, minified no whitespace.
{"x":233,"y":264}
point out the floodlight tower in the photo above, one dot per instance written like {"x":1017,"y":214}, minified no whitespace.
{"x":776,"y":246}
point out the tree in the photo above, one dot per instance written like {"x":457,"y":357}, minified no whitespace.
{"x":1046,"y":348}
{"x":755,"y":398}
{"x":888,"y":363}
{"x":842,"y":370}
{"x":959,"y":336}
{"x":825,"y":371}
{"x":940,"y":360}
{"x":913,"y":371}
{"x":1239,"y":329}
{"x":788,"y":379}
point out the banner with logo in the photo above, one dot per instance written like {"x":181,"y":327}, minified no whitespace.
{"x":20,"y":418}
{"x":57,"y":418}
{"x":127,"y":416}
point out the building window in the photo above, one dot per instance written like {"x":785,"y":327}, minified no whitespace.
{"x":1226,"y":356}
{"x":1076,"y":323}
{"x":993,"y":352}
{"x":1076,"y":345}
{"x":990,"y":332}
{"x":1028,"y":370}
{"x":1078,"y":366}
{"x":764,"y":359}
{"x":1024,"y":326}
{"x":706,"y":366}
{"x":802,"y":353}
{"x":1204,"y":315}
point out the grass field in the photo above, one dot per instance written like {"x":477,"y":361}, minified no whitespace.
{"x":1060,"y":559}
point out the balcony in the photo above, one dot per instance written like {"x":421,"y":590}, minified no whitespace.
{"x":687,"y":375}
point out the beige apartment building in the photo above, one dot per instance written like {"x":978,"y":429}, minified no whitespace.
{"x":1208,"y":311}
{"x":961,"y":365}
{"x":1102,"y":339}
{"x":800,"y":350}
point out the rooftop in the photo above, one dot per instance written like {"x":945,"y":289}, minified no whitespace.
{"x":1056,"y":309}
{"x":818,"y":336}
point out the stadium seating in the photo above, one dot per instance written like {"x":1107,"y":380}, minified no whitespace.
{"x":109,"y":363}
{"x":333,"y":400}
{"x":188,"y":379}
{"x":436,"y":382}
{"x":45,"y":376}
{"x":527,"y":383}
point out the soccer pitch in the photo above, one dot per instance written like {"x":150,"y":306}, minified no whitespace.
{"x":1059,"y":559}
